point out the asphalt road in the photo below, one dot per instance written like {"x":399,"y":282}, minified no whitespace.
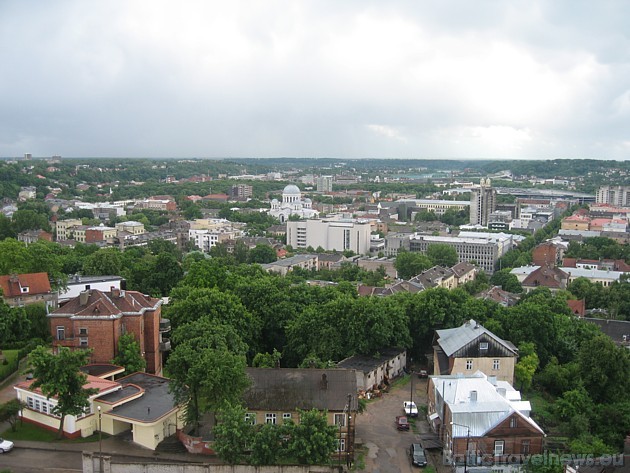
{"x":26,"y":460}
{"x":388,"y":448}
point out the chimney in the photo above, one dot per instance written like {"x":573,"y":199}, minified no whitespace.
{"x":473,"y":396}
{"x":493,"y":380}
{"x":323,"y":384}
{"x":115,"y":292}
{"x":502,"y":392}
{"x":83,"y":297}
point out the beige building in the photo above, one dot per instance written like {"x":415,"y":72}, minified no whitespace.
{"x":140,"y":403}
{"x":131,"y":227}
{"x":472,"y":348}
{"x":64,"y":228}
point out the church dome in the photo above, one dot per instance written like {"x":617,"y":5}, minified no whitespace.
{"x":291,"y":189}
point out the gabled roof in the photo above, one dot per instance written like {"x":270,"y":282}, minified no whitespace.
{"x":432,"y":276}
{"x":462,"y":268}
{"x":495,"y":402}
{"x":547,"y":276}
{"x":368,"y":363}
{"x":111,"y":304}
{"x":452,"y":339}
{"x":500,"y":296}
{"x":288,"y":389}
{"x":37,"y":283}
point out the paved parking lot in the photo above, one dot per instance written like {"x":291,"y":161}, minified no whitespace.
{"x":388,"y":448}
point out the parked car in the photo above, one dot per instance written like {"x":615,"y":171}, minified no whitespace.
{"x":423,"y":374}
{"x":410,"y":408}
{"x":402,"y":423}
{"x":418,"y":455}
{"x":5,"y":445}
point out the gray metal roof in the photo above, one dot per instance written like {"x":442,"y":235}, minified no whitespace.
{"x":368,"y":363}
{"x":452,"y":339}
{"x":287,"y":389}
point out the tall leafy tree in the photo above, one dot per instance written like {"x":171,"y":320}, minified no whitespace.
{"x":59,"y":376}
{"x":10,"y":412}
{"x":207,"y":366}
{"x":312,"y":440}
{"x":410,"y":264}
{"x":233,"y":433}
{"x":442,"y":254}
{"x":129,"y":355}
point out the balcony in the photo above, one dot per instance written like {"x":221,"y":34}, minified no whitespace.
{"x":165,"y":345}
{"x":165,"y":325}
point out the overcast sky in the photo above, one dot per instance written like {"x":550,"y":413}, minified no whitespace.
{"x":340,"y":78}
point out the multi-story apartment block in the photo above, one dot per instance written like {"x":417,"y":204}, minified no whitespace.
{"x":340,"y":235}
{"x":483,"y":201}
{"x":407,"y":208}
{"x":97,"y":319}
{"x":324,"y":183}
{"x":65,"y":228}
{"x":100,"y":233}
{"x":614,"y":195}
{"x":241,"y":191}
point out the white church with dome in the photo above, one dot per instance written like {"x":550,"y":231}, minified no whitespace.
{"x":292,"y":204}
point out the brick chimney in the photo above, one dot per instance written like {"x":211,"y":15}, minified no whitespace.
{"x":115,"y":292}
{"x":83,"y":297}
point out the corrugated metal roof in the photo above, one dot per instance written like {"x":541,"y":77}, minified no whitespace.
{"x":488,"y":410}
{"x":452,"y":339}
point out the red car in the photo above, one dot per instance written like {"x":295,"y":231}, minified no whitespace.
{"x":402,"y":423}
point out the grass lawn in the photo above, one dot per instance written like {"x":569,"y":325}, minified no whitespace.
{"x":6,"y":370}
{"x":31,"y":432}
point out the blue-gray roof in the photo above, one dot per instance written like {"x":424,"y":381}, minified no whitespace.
{"x":452,"y":339}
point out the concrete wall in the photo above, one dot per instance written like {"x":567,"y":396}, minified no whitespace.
{"x":91,"y":464}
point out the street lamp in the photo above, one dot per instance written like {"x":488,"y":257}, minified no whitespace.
{"x":100,"y":440}
{"x":411,"y":371}
{"x":467,"y":442}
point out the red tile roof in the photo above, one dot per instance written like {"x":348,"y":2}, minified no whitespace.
{"x":108,"y":304}
{"x":578,"y":307}
{"x":37,"y":283}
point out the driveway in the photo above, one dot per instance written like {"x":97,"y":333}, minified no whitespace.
{"x":387,"y":447}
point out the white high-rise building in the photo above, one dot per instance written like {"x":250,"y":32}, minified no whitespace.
{"x":614,"y":195}
{"x":340,"y":235}
{"x":483,"y":201}
{"x":324,"y":183}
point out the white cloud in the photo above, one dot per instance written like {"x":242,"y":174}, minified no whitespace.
{"x":304,"y":78}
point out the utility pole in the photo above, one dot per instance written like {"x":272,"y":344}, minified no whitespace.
{"x":467,"y":443}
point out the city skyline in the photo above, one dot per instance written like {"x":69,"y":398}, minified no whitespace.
{"x":358,"y":79}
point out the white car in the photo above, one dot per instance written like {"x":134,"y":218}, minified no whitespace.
{"x":5,"y":445}
{"x":410,"y":408}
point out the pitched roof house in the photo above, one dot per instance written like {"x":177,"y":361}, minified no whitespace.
{"x":546,"y":276}
{"x":97,"y":319}
{"x":472,"y":347}
{"x":276,"y":394}
{"x":482,"y":420}
{"x":22,"y":289}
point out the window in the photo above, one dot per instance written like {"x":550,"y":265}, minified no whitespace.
{"x":286,"y":416}
{"x":340,"y":419}
{"x":29,"y":402}
{"x":483,"y":346}
{"x":83,"y":331}
{"x":498,"y":447}
{"x":341,"y":445}
{"x":61,"y":333}
{"x":513,"y":422}
{"x":525,"y":447}
{"x":270,"y":418}
{"x":250,"y":418}
{"x":469,"y":364}
{"x":45,"y":407}
{"x":83,"y":342}
{"x":496,"y":364}
{"x":37,"y":405}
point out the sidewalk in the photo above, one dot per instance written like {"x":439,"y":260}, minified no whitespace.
{"x":116,"y":447}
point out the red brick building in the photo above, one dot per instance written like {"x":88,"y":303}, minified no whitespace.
{"x":97,"y":320}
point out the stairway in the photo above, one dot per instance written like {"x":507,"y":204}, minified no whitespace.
{"x":171,"y":445}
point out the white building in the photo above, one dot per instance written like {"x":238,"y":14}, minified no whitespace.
{"x":292,"y":204}
{"x":483,"y":201}
{"x":614,"y":195}
{"x":324,"y":183}
{"x":331,"y":235}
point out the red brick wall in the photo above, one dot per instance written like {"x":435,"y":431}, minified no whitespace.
{"x":151,"y":341}
{"x":92,"y":236}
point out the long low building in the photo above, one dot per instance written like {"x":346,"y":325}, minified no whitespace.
{"x":601,"y":276}
{"x":483,"y":250}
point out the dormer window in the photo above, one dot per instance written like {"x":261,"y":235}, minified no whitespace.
{"x":483,"y":345}
{"x":24,"y":290}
